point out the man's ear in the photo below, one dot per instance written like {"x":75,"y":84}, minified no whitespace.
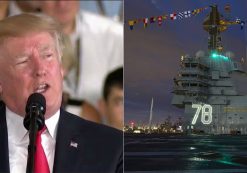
{"x":63,"y":72}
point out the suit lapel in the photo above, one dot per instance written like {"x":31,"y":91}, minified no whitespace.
{"x":66,"y":152}
{"x":4,"y":156}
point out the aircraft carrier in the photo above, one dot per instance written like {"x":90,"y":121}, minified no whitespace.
{"x":207,"y":85}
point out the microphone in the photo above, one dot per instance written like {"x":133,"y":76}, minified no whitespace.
{"x":35,"y":109}
{"x":33,"y":122}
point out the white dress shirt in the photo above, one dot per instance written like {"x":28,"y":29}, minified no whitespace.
{"x":18,"y":140}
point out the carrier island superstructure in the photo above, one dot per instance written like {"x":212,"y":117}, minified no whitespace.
{"x":205,"y":87}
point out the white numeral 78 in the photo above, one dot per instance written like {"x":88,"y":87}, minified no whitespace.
{"x":206,"y":116}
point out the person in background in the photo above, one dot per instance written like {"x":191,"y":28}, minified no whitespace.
{"x":18,"y":7}
{"x":82,"y":108}
{"x":4,"y":9}
{"x":111,"y":105}
{"x":97,"y":43}
{"x":67,"y":143}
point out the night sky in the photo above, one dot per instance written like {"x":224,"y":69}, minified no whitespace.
{"x":152,"y":55}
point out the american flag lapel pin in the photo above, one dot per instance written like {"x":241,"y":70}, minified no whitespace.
{"x":73,"y":144}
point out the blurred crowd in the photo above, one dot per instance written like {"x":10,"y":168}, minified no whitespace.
{"x":92,"y":58}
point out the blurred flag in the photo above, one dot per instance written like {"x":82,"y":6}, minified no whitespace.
{"x":242,"y":23}
{"x":152,"y":19}
{"x":187,"y":14}
{"x":173,"y":16}
{"x":181,"y":15}
{"x":165,"y":17}
{"x":145,"y":21}
{"x":238,"y":20}
{"x":159,"y":20}
{"x":195,"y":11}
{"x":131,"y":24}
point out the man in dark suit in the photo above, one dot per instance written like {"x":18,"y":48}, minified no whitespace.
{"x":30,"y":62}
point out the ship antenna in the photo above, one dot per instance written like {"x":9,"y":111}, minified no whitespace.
{"x":151,"y":115}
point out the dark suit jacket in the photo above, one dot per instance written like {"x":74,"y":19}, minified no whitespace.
{"x":99,"y":148}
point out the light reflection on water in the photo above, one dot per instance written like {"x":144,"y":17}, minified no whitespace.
{"x":186,"y":154}
{"x":197,"y":159}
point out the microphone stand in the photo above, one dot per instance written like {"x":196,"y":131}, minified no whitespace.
{"x":33,"y":128}
{"x":34,"y":121}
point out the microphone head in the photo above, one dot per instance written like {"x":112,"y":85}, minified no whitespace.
{"x":35,"y":102}
{"x":36,"y":99}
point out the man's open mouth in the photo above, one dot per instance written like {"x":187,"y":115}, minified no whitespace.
{"x":42,"y":88}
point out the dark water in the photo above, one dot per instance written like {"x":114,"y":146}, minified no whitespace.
{"x":180,"y":153}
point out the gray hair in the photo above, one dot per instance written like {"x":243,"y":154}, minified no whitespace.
{"x":20,"y":25}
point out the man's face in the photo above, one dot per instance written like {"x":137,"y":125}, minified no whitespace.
{"x":30,"y":64}
{"x":63,"y":11}
{"x":114,"y":107}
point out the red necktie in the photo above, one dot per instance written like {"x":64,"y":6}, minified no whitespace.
{"x":41,"y":163}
